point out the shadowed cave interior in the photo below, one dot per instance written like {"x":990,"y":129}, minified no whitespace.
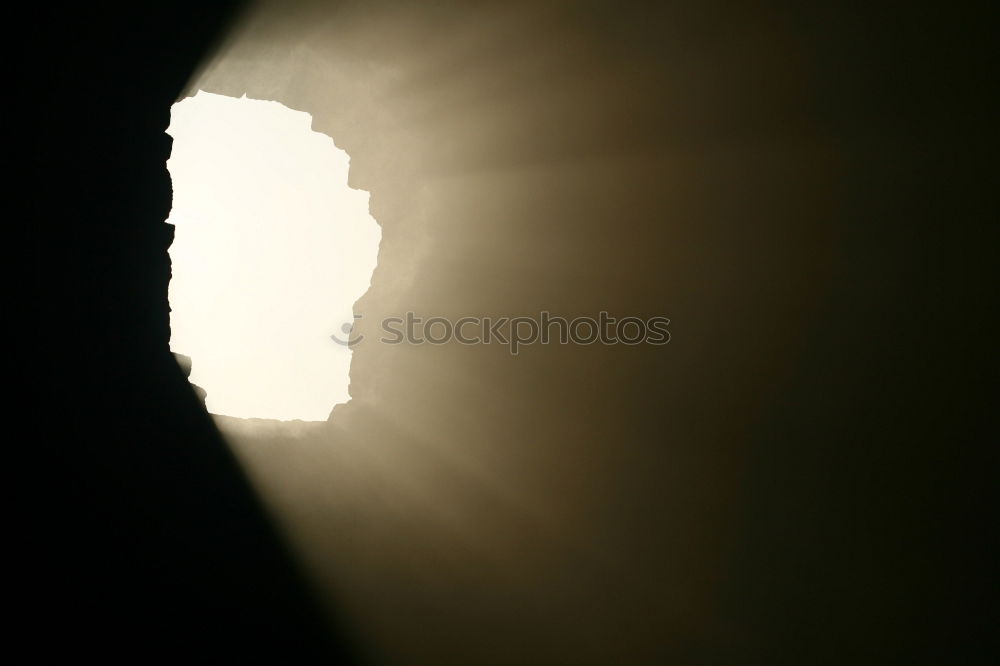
{"x":790,"y":480}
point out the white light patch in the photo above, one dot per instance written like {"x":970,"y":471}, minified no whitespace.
{"x":271,"y":250}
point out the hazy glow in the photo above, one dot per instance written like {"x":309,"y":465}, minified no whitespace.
{"x":272,"y":249}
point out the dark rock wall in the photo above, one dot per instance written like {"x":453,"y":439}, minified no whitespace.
{"x":143,"y":541}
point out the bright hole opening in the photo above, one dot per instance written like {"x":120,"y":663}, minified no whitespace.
{"x":271,"y":250}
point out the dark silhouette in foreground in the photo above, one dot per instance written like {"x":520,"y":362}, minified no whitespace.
{"x":143,"y":540}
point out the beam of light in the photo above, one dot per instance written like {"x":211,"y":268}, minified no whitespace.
{"x":453,"y":488}
{"x":272,"y":249}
